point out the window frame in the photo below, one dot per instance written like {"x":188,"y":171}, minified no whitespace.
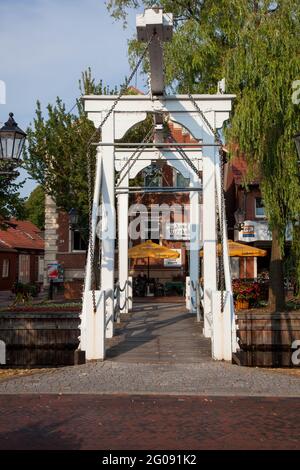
{"x":5,"y":268}
{"x":258,"y":216}
{"x":73,"y":250}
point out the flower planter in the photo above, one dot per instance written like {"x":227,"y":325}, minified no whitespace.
{"x":40,"y":339}
{"x":242,"y":304}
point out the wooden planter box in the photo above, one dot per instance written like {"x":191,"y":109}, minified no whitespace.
{"x":265,"y":339}
{"x":42,"y":339}
{"x":241,"y":304}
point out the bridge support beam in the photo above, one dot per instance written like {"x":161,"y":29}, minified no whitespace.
{"x":108,"y":223}
{"x":194,"y":240}
{"x":209,"y":236}
{"x":123,"y":200}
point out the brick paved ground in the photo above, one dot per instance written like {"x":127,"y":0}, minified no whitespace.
{"x":156,"y":422}
{"x":159,"y":389}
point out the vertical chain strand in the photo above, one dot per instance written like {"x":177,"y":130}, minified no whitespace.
{"x":222,"y":205}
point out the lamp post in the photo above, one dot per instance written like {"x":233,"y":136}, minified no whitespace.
{"x":12,"y":140}
{"x":239,"y":216}
{"x":73,"y":218}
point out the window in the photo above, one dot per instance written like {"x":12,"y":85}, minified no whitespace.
{"x":181,"y":181}
{"x":78,"y":242}
{"x":24,"y":268}
{"x":40,"y":270}
{"x":259,"y":207}
{"x":152,"y":176}
{"x":5,"y":268}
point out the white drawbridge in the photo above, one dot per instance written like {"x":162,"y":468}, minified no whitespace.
{"x":202,"y":116}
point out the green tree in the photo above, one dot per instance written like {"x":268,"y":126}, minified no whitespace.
{"x":11,"y":203}
{"x":261,"y":71}
{"x":255,"y":45}
{"x":56,"y":156}
{"x":35,"y":207}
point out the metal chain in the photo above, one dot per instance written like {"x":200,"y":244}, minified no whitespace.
{"x":90,"y":171}
{"x":222,"y":208}
{"x":183,"y":154}
{"x":135,"y":156}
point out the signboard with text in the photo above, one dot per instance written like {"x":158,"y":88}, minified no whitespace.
{"x":177,"y":231}
{"x":174,"y":263}
{"x":55,"y":272}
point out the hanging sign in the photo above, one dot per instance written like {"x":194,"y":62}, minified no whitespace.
{"x":55,"y":272}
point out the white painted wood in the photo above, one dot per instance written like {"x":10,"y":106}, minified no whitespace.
{"x":229,"y":320}
{"x":194,"y":239}
{"x":123,"y":244}
{"x":124,"y":122}
{"x":173,"y":158}
{"x":95,"y":346}
{"x":221,"y":338}
{"x":209,"y":234}
{"x":109,"y":222}
{"x":85,"y":333}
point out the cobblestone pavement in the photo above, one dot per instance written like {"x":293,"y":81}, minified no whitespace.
{"x":208,"y":378}
{"x":156,"y":422}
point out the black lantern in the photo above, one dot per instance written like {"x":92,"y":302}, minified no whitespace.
{"x":12,"y":140}
{"x":297,"y":142}
{"x":239,"y":216}
{"x":73,"y":218}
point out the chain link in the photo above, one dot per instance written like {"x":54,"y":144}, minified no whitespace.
{"x":221,"y":209}
{"x":135,"y":156}
{"x":90,"y":171}
{"x":183,"y":154}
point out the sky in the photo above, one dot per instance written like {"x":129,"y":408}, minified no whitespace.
{"x":46,"y":44}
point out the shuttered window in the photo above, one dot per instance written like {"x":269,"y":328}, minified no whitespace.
{"x":24,"y":268}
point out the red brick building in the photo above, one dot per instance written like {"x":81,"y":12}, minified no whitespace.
{"x":21,"y":254}
{"x":244,"y":195}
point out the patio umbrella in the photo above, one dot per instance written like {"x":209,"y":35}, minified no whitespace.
{"x":149,"y":249}
{"x":240,"y":250}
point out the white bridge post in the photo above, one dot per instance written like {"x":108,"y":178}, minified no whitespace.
{"x":89,"y":338}
{"x":108,"y":222}
{"x":194,"y":240}
{"x":123,"y":199}
{"x":209,"y":235}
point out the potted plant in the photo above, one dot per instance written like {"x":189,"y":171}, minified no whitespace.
{"x":245,"y":293}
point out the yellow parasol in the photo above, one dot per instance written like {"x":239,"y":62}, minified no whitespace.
{"x":241,"y":250}
{"x":149,"y":249}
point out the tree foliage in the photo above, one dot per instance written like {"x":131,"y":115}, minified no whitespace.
{"x":11,"y":203}
{"x":35,"y":207}
{"x":56,"y":156}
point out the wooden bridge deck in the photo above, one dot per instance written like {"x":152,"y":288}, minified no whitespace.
{"x":159,"y":333}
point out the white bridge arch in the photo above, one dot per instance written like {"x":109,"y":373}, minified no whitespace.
{"x":113,"y":156}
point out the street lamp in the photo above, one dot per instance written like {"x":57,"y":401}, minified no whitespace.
{"x":73,"y":218}
{"x":12,"y":140}
{"x":239,"y":216}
